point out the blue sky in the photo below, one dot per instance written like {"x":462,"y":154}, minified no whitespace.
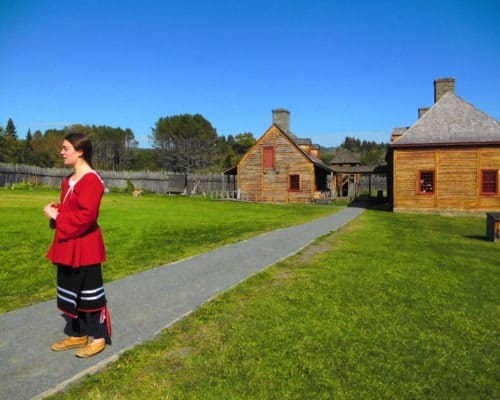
{"x":357,"y":68}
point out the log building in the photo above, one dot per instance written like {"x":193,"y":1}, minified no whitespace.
{"x":282,"y":168}
{"x":449,"y":160}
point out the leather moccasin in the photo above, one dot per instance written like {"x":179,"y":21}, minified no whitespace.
{"x":70,"y":342}
{"x":93,"y":348}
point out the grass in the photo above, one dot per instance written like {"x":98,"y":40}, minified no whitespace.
{"x":140,"y":233}
{"x":392,"y":306}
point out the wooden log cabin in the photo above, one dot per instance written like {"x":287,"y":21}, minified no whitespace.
{"x":449,"y":160}
{"x":283,"y":168}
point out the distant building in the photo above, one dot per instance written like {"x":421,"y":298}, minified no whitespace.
{"x":449,"y":160}
{"x":281,"y":167}
{"x":344,"y":158}
{"x":347,"y":178}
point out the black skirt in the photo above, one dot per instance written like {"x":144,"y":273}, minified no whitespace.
{"x":80,"y":289}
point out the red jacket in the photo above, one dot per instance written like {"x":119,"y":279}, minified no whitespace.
{"x":78,"y":240}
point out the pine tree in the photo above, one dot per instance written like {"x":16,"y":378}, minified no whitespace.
{"x":26,"y":156}
{"x":9,"y":151}
{"x":10,"y":129}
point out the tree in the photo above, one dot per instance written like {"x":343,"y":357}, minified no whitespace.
{"x":243,"y":142}
{"x":369,"y":152}
{"x":112,"y":147}
{"x":231,"y":149}
{"x":351,"y":144}
{"x":26,"y":156}
{"x":41,"y":156}
{"x":2,"y":145}
{"x":10,"y":130}
{"x":224,"y":154}
{"x":184,"y":143}
{"x":50,"y":147}
{"x":10,"y":146}
{"x":143,"y":159}
{"x":240,"y":145}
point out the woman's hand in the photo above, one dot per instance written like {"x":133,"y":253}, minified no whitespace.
{"x":51,"y":211}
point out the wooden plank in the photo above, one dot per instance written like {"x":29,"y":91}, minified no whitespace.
{"x":272,"y":184}
{"x":457,"y":175}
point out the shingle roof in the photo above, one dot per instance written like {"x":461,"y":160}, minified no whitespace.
{"x":399,"y":131}
{"x":316,"y":161}
{"x":343,"y":156}
{"x":451,"y":121}
{"x":303,"y":141}
{"x":362,"y":169}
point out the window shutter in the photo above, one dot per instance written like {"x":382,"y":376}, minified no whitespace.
{"x":268,"y":157}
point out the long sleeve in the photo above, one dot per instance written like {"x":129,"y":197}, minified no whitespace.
{"x":78,"y":239}
{"x":80,"y":210}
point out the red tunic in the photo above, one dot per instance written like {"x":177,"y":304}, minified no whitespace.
{"x":78,"y":239}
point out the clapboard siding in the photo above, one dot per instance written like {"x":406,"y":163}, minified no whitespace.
{"x":272,"y":184}
{"x":405,"y":178}
{"x":489,"y":159}
{"x":457,"y":178}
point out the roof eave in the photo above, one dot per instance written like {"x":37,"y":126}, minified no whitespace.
{"x":448,"y":144}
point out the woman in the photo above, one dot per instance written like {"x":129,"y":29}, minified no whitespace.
{"x":78,"y":251}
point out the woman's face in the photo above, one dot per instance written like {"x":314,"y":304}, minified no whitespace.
{"x":69,"y":154}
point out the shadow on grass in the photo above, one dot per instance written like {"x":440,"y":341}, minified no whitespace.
{"x":478,"y":237}
{"x":371,"y":203}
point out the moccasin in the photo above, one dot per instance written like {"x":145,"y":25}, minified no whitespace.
{"x":93,"y":348}
{"x":71,"y":342}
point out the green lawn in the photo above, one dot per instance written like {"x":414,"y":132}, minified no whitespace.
{"x":140,"y":233}
{"x":392,"y":306}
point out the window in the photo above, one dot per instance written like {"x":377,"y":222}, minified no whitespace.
{"x":426,"y":182}
{"x":294,"y":183}
{"x":489,"y":183}
{"x":268,"y":157}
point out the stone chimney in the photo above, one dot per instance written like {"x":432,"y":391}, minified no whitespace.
{"x":443,"y":86}
{"x":397,"y":133}
{"x":315,"y":150}
{"x":422,"y":111}
{"x":281,"y":118}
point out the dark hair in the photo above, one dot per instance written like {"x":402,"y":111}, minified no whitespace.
{"x":81,"y":142}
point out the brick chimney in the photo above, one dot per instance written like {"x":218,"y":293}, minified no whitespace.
{"x":443,"y":86}
{"x":281,"y":118}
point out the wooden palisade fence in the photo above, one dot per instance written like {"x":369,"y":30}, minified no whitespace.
{"x":214,"y":185}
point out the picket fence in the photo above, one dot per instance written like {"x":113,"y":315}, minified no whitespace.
{"x":214,"y":185}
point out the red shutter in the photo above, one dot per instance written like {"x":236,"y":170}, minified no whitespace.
{"x":268,"y":157}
